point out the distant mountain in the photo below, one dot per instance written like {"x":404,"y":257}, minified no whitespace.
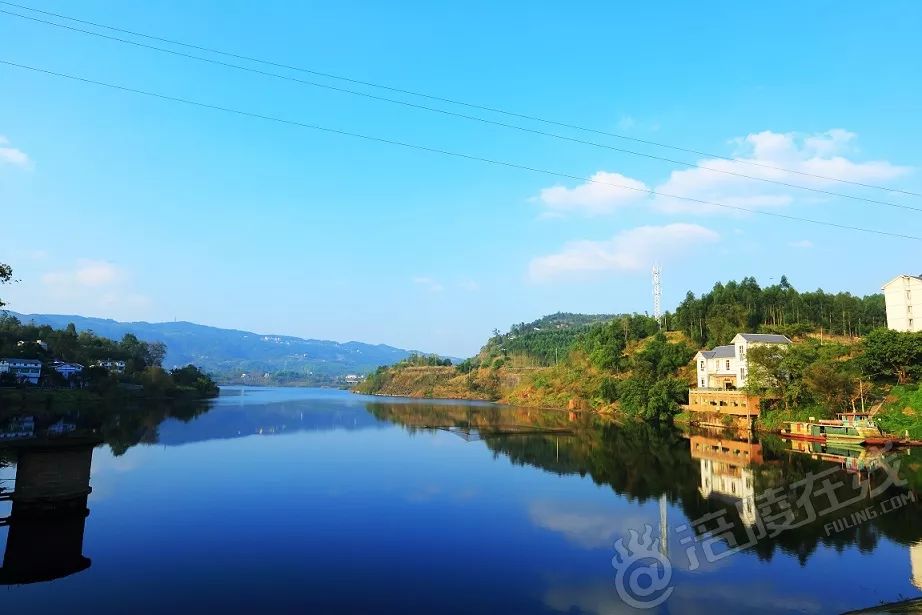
{"x":231,"y":353}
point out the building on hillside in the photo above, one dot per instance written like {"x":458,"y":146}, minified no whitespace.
{"x":67,"y":369}
{"x":116,"y":367}
{"x":40,"y":343}
{"x":721,"y":374}
{"x":726,"y":367}
{"x":25,"y":370}
{"x":901,"y":295}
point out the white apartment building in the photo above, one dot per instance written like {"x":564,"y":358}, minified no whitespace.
{"x":726,"y":367}
{"x":25,"y":370}
{"x":903,"y":295}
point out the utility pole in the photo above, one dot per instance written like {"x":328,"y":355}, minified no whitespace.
{"x":657,"y":295}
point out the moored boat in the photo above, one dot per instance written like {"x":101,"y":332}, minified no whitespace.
{"x":849,"y":428}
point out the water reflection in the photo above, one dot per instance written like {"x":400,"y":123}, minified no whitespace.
{"x":49,"y":508}
{"x":330,"y":470}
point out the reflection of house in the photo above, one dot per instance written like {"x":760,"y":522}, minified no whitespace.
{"x":915,"y":559}
{"x":725,"y":471}
{"x":901,"y":294}
{"x":18,"y":427}
{"x":25,"y":370}
{"x":67,"y":369}
{"x":726,"y":367}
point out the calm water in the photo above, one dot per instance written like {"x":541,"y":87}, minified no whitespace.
{"x":300,"y":500}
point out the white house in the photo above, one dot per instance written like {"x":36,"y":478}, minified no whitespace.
{"x":67,"y":369}
{"x":901,"y":294}
{"x":726,"y":367}
{"x":116,"y":367}
{"x":25,"y":370}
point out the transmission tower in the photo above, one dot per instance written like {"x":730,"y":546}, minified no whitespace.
{"x":663,"y":527}
{"x":657,"y":295}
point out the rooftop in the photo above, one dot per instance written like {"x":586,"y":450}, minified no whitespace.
{"x":900,"y":277}
{"x":766,"y":338}
{"x":721,"y":352}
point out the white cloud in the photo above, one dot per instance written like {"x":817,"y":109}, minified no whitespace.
{"x":604,"y":194}
{"x":429,"y":284}
{"x":93,"y":287}
{"x":803,"y":243}
{"x":11,"y":155}
{"x":626,"y":122}
{"x":469,"y":285}
{"x":791,"y":158}
{"x":764,"y":155}
{"x":87,"y":274}
{"x":629,"y":251}
{"x":587,"y":527}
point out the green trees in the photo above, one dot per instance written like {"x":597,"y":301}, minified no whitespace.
{"x":832,"y":384}
{"x":653,"y":393}
{"x":778,"y":371}
{"x":6,"y":274}
{"x":192,"y":379}
{"x":893,"y":354}
{"x":604,"y":343}
{"x":716,"y":316}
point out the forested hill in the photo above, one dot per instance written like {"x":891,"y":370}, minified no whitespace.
{"x":544,"y":340}
{"x":716,"y":316}
{"x":231,"y":352}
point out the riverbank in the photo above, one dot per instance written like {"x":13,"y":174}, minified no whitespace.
{"x":20,"y":398}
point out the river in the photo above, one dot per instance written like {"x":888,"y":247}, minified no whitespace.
{"x":310,"y":500}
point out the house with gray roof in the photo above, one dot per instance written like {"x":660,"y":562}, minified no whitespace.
{"x":726,"y":367}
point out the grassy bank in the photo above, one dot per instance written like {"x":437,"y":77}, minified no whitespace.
{"x":901,"y":411}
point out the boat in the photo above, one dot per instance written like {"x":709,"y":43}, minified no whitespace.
{"x":849,"y":428}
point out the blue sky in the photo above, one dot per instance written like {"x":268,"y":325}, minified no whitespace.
{"x":133,"y":208}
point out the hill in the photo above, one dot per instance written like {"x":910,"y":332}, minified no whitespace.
{"x":229,"y":353}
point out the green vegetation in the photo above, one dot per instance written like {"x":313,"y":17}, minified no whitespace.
{"x":625,"y":364}
{"x":715,"y":317}
{"x":6,"y":276}
{"x":902,"y":411}
{"x":142,"y":362}
{"x":543,"y":342}
{"x":653,"y":392}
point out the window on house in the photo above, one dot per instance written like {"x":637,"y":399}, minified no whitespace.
{"x":702,"y":365}
{"x":728,"y":363}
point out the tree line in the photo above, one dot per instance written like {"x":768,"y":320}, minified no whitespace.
{"x":716,"y":316}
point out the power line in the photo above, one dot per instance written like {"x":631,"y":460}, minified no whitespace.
{"x":462,"y":115}
{"x":450,"y":101}
{"x":445,"y":152}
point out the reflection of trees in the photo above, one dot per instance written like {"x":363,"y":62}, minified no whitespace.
{"x":120,"y":427}
{"x":642,"y":462}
